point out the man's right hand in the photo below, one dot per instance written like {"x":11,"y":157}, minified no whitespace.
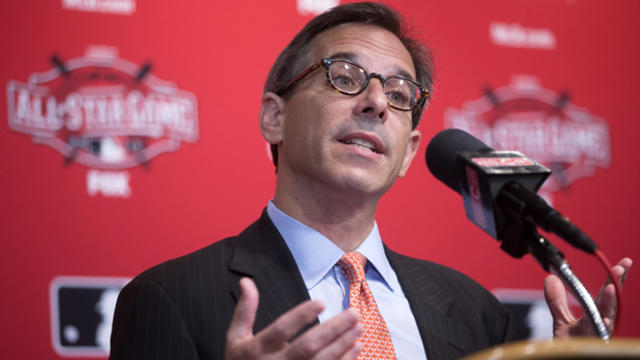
{"x":333,"y":339}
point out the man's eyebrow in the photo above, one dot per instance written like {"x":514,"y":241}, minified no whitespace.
{"x":344,"y":56}
{"x":405,"y":74}
{"x":354,"y":57}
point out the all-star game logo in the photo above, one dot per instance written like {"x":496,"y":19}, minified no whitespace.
{"x":540,"y":123}
{"x":103,"y":112}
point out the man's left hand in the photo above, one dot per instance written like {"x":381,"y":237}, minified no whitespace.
{"x":564,"y":323}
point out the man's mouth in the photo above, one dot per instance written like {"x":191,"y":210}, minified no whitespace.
{"x":368,"y":144}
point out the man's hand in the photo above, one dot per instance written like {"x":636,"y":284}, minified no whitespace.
{"x":333,"y":339}
{"x":564,"y":323}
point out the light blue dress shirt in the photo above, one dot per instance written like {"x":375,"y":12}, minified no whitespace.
{"x":317,"y":257}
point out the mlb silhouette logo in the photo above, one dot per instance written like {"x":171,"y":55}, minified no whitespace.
{"x":82,"y":313}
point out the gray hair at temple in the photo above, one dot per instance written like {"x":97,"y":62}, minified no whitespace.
{"x":295,"y":57}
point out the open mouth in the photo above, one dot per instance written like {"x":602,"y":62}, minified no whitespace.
{"x":362,"y":143}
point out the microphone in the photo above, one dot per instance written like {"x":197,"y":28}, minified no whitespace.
{"x":499,"y":191}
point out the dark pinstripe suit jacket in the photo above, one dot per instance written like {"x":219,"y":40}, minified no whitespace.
{"x":181,"y":309}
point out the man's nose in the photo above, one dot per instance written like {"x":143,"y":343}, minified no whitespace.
{"x":373,"y":102}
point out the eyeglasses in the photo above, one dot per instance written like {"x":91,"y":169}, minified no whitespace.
{"x":351,"y":79}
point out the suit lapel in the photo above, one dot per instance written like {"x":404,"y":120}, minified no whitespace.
{"x":442,"y":336}
{"x":262,"y":254}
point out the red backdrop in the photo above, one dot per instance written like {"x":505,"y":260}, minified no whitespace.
{"x":62,"y":217}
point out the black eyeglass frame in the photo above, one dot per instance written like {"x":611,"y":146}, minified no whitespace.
{"x":326,"y":62}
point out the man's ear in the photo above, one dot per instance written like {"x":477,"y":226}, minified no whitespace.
{"x":412,"y":148}
{"x":272,"y":118}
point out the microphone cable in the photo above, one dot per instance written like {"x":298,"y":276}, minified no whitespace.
{"x":607,"y":265}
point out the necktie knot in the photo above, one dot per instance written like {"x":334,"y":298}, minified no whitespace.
{"x":352,"y":265}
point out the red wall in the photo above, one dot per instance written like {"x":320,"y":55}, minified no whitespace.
{"x":220,"y":177}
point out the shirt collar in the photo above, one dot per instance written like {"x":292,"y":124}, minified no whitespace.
{"x":315,"y":254}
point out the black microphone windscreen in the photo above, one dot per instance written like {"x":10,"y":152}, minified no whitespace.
{"x":441,"y":154}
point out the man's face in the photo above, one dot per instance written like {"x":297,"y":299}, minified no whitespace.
{"x":350,"y":144}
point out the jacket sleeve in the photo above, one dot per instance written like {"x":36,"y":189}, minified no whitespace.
{"x":148,"y":325}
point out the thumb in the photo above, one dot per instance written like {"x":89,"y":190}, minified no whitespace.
{"x":241,"y":327}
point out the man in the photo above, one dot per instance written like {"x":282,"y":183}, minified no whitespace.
{"x":340,"y":108}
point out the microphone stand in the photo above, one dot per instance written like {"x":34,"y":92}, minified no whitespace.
{"x":520,"y":236}
{"x":552,"y":260}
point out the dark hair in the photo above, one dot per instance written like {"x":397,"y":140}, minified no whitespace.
{"x":295,"y":57}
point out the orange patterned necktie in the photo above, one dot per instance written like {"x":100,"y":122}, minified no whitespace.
{"x":375,"y":338}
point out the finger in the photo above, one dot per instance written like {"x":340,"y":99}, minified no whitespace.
{"x":606,"y":301}
{"x":621,"y":269}
{"x":286,"y":326}
{"x":345,"y":346}
{"x":556,"y":297}
{"x":241,"y":327}
{"x":352,"y":352}
{"x":328,"y":340}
